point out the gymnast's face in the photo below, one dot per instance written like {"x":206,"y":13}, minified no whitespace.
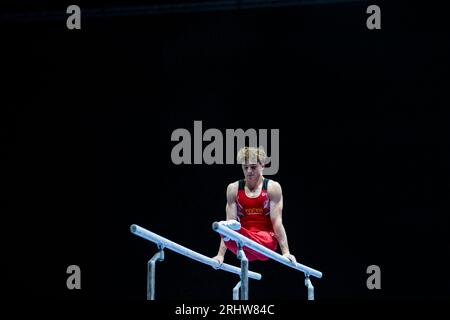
{"x":252,"y":171}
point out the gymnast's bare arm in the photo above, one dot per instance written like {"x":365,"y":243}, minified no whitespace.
{"x":231,"y":214}
{"x":276,"y":208}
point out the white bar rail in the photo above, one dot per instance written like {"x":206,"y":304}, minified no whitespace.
{"x":166,"y":243}
{"x":221,"y":228}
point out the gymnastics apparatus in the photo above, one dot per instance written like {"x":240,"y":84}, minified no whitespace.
{"x":222,"y":228}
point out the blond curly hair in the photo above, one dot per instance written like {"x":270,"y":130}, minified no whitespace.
{"x":251,"y":155}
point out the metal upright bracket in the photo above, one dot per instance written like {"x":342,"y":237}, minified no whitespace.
{"x":236,"y":291}
{"x":244,"y":272}
{"x":310,"y":287}
{"x":151,"y":268}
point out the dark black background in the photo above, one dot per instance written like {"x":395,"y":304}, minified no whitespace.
{"x":364,"y":158}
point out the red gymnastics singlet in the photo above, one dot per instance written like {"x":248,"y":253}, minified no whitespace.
{"x":254,"y":216}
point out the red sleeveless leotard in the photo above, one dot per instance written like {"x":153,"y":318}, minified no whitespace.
{"x":254,"y":216}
